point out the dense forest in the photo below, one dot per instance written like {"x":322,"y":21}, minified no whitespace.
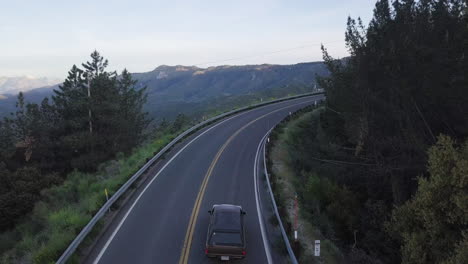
{"x":92,"y":116}
{"x":384,"y":166}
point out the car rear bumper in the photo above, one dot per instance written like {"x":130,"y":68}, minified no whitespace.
{"x":221,"y":255}
{"x":231,"y":252}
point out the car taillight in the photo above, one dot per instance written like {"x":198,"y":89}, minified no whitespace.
{"x":244,"y":253}
{"x":206,"y":251}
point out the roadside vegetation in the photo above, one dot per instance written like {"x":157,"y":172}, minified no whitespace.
{"x":61,"y":211}
{"x":287,"y":139}
{"x":59,"y":157}
{"x":50,"y":154}
{"x":329,"y":209}
{"x":381,"y":171}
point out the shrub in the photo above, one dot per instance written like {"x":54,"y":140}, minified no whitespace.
{"x":433,"y":224}
{"x":321,"y":196}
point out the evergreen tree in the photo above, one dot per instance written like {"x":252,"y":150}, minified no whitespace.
{"x":101,"y":113}
{"x":133,"y":120}
{"x":18,"y":193}
{"x":434,"y":223}
{"x":71,"y":104}
{"x":404,"y":84}
{"x":7,"y":146}
{"x":93,"y":115}
{"x":179,"y":123}
{"x":26,"y":136}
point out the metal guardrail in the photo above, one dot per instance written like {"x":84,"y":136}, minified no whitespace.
{"x":292,"y":256}
{"x":283,"y":231}
{"x":85,"y":231}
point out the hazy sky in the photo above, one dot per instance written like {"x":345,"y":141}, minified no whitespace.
{"x":45,"y":38}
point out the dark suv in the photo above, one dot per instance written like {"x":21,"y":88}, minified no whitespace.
{"x":226,"y":234}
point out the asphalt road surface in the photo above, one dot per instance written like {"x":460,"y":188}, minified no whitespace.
{"x":166,"y":221}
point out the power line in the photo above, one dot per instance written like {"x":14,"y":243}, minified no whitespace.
{"x":267,"y":53}
{"x":340,"y":162}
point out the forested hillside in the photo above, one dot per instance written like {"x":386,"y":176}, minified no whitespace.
{"x":191,"y":90}
{"x":96,"y":114}
{"x":8,"y":101}
{"x":93,"y":132}
{"x":91,"y":117}
{"x":384,"y":166}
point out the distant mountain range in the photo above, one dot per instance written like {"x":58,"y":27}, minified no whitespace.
{"x":188,"y":89}
{"x":14,"y":85}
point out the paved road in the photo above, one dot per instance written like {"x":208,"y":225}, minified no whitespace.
{"x":166,"y":221}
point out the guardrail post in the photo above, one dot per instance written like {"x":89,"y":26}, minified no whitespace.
{"x":87,"y":229}
{"x":292,"y":256}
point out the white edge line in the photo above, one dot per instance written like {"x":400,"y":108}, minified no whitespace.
{"x":260,"y":218}
{"x":109,"y":240}
{"x":101,"y":253}
{"x":285,"y":237}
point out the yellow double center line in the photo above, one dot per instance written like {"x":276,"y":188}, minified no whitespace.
{"x":191,"y":226}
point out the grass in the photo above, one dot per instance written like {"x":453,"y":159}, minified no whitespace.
{"x":286,"y":184}
{"x":65,"y":209}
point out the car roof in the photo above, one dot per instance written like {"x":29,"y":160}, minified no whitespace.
{"x":227,"y":217}
{"x":227,"y":206}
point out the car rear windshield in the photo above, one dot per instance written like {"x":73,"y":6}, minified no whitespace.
{"x":227,"y":220}
{"x":226,"y":238}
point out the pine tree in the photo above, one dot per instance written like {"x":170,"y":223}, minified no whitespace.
{"x":101,"y":112}
{"x":433,"y":224}
{"x":179,"y":123}
{"x":93,"y":115}
{"x":7,"y":146}
{"x":71,"y":104}
{"x":133,"y":120}
{"x":404,"y":84}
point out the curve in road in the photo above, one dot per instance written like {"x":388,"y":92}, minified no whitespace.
{"x":166,"y":222}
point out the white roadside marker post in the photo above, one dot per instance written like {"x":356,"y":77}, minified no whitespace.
{"x":317,"y":248}
{"x":295,"y":217}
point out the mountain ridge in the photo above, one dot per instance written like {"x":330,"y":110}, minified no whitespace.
{"x":16,"y":84}
{"x":179,"y":87}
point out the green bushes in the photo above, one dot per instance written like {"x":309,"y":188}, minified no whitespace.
{"x":65,"y":209}
{"x":329,"y":205}
{"x":61,"y":211}
{"x":336,"y":203}
{"x":386,"y":104}
{"x":18,"y":192}
{"x":332,"y":197}
{"x":42,"y":143}
{"x":433,"y":225}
